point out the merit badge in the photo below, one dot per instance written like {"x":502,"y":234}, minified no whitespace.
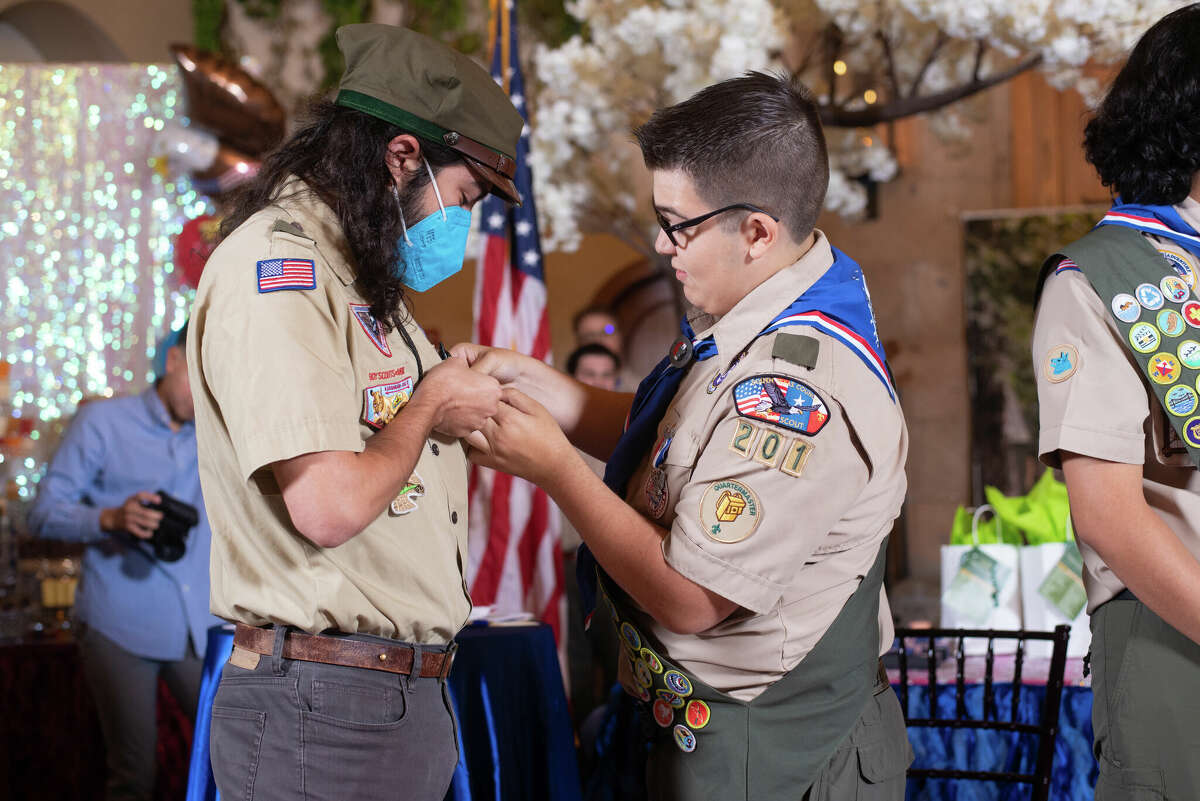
{"x":685,"y":739}
{"x":277,"y":274}
{"x":406,"y":501}
{"x":796,"y":457}
{"x":682,"y":352}
{"x":1149,"y":296}
{"x":729,"y":511}
{"x":1189,"y":353}
{"x":1061,"y":363}
{"x":673,"y":699}
{"x":370,"y":327}
{"x":1181,"y":400}
{"x":1144,"y":337}
{"x":630,"y":635}
{"x":643,"y":694}
{"x":1125,"y":308}
{"x":1180,"y":262}
{"x":380,"y":403}
{"x":1191,"y":313}
{"x":782,"y":401}
{"x":1170,"y":322}
{"x":642,"y":674}
{"x":664,"y":715}
{"x":657,"y":492}
{"x":651,"y":659}
{"x":1191,"y":432}
{"x":1164,"y":368}
{"x":1175,"y":288}
{"x":678,"y":683}
{"x":697,"y":714}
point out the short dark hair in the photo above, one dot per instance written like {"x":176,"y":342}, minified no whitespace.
{"x":755,"y":139}
{"x":588,"y":311}
{"x":1143,"y":138}
{"x":590,"y":349}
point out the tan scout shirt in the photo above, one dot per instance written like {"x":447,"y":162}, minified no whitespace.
{"x":283,"y":373}
{"x":1105,"y":407}
{"x":821,"y":514}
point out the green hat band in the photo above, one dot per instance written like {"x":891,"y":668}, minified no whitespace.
{"x":397,"y":116}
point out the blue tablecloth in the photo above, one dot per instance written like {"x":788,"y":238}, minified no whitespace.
{"x":1074,"y":771}
{"x":515,"y":735}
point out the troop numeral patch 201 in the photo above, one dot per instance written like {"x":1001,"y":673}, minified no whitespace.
{"x":766,"y":446}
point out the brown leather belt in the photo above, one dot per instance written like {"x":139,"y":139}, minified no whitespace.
{"x":344,"y":651}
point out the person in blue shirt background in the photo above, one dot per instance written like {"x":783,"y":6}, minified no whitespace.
{"x":139,"y":617}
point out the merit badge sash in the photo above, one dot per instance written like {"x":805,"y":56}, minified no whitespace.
{"x":1151,"y":293}
{"x":838,"y":304}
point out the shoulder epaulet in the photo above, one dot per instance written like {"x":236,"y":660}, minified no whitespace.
{"x":798,"y":349}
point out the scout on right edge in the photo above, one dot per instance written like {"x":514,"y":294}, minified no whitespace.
{"x":1116,"y":350}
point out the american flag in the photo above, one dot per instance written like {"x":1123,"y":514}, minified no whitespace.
{"x":276,"y":274}
{"x":515,"y":556}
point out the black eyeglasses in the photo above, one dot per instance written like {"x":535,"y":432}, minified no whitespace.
{"x":670,"y":230}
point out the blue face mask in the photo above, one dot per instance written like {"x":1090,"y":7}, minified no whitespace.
{"x":433,"y":249}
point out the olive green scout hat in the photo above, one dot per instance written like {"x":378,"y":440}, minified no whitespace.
{"x":437,"y":93}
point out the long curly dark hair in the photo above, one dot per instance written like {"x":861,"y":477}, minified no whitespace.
{"x":339,"y":153}
{"x":1143,"y":139}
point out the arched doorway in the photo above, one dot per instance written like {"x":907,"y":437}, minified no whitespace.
{"x":44,"y":30}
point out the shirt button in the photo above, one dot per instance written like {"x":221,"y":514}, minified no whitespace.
{"x":433,"y":447}
{"x":454,"y":518}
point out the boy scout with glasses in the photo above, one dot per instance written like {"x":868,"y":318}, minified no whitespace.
{"x":741,"y":525}
{"x":1116,"y":349}
{"x":328,"y":429}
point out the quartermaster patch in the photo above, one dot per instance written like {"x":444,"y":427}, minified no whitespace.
{"x":729,"y":511}
{"x":781,"y":401}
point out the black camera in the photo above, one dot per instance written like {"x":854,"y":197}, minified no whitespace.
{"x":170,"y":538}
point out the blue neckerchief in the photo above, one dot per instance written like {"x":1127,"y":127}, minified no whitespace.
{"x":838,"y":304}
{"x":1162,"y":221}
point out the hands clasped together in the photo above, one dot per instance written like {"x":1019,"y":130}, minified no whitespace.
{"x":492,"y":400}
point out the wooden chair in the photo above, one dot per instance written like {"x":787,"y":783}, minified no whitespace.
{"x":1047,"y":728}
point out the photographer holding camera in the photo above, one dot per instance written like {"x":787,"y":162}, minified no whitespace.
{"x":125,"y":482}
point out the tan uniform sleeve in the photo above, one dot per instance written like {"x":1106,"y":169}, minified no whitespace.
{"x":795,"y":513}
{"x":1091,"y":398}
{"x":277,"y":362}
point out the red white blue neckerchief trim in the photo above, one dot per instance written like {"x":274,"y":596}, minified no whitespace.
{"x":1162,"y":221}
{"x":660,"y":451}
{"x":1066,"y":266}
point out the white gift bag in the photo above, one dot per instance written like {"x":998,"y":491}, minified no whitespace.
{"x":981,"y":588}
{"x":1050,"y":589}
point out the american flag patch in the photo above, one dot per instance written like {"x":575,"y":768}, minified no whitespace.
{"x":277,"y":274}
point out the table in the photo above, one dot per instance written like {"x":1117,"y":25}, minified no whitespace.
{"x":515,"y":735}
{"x":1075,"y":769}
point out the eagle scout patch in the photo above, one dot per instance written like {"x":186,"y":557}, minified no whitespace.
{"x":370,"y":327}
{"x":406,"y":501}
{"x":729,"y":511}
{"x":278,"y":274}
{"x":1061,"y":363}
{"x":381,"y":402}
{"x":781,"y":401}
{"x":657,"y":493}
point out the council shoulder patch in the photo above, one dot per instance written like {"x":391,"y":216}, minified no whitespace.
{"x":1061,"y":363}
{"x":729,"y":511}
{"x":278,"y":274}
{"x":781,"y":401}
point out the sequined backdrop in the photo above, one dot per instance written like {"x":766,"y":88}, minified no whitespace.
{"x":87,"y":219}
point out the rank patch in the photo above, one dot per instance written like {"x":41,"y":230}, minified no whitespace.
{"x":277,"y":274}
{"x":406,"y":501}
{"x":370,"y":327}
{"x":1164,"y":368}
{"x":729,"y":511}
{"x":1061,"y":363}
{"x":782,"y":401}
{"x":381,"y":402}
{"x":657,"y":492}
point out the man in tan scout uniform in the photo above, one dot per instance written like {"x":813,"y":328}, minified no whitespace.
{"x":1116,"y":347}
{"x":739,"y":535}
{"x":328,"y":426}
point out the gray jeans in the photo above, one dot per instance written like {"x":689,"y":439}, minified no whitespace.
{"x":288,"y":729}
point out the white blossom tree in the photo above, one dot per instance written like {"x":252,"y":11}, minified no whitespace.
{"x":868,"y":61}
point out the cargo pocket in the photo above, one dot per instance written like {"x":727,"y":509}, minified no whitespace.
{"x":884,"y":753}
{"x":235,"y":744}
{"x":1127,"y":784}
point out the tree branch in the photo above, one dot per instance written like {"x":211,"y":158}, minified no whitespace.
{"x":886,"y":43}
{"x":980,"y":49}
{"x":919,"y":104}
{"x":938,"y":44}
